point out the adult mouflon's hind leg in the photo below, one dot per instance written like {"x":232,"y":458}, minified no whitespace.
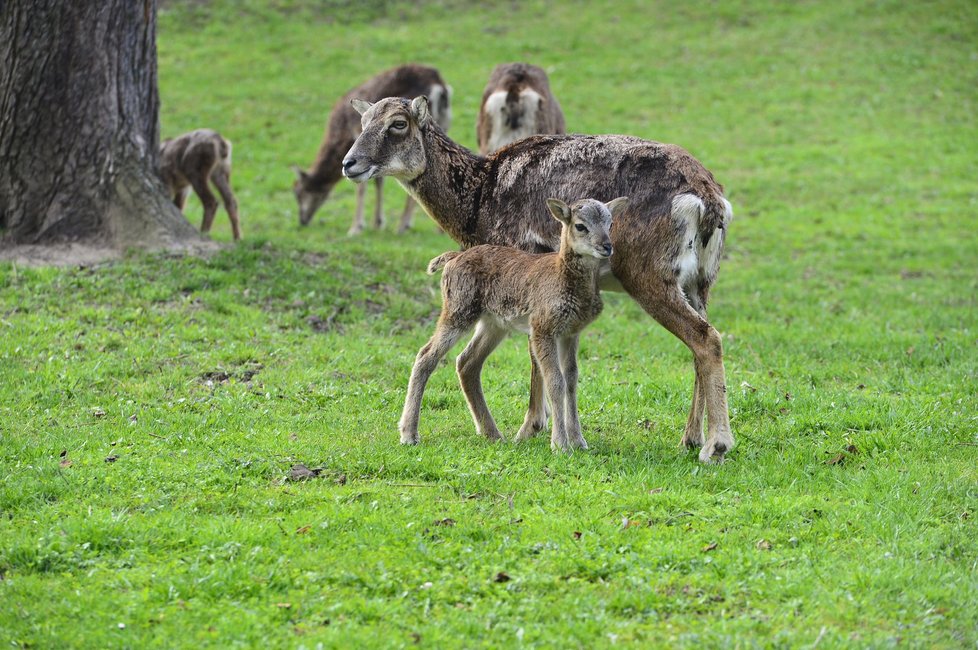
{"x":664,"y":301}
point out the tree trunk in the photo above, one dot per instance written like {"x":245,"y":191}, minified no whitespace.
{"x":79,"y":127}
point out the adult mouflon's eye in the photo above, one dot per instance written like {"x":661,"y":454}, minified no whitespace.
{"x":580,"y":227}
{"x":399,"y":125}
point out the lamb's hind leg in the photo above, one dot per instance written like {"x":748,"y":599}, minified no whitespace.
{"x":446,"y":335}
{"x":665,"y":302}
{"x":469,"y":368}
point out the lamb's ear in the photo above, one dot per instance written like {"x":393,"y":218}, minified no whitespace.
{"x":421,"y":110}
{"x":560,"y":210}
{"x":360,"y":106}
{"x":617,"y":206}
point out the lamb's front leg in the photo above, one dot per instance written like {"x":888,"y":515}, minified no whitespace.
{"x":567,"y":348}
{"x":547,"y":356}
{"x":536,"y":413}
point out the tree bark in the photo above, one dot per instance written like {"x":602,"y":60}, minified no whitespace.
{"x":79,"y":127}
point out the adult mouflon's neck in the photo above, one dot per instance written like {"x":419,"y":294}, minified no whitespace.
{"x":450,"y":187}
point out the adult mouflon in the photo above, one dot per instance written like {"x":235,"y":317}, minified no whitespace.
{"x":667,"y":243}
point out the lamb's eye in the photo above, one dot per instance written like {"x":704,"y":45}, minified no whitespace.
{"x":580,"y":227}
{"x":399,"y":125}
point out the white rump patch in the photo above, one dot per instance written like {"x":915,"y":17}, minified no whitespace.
{"x":501,"y":133}
{"x":435,"y":93}
{"x":687,"y":210}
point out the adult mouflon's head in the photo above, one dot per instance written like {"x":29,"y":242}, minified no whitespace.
{"x":587,"y":224}
{"x":391,"y":142}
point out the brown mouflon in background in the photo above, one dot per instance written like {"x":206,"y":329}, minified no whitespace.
{"x":193,"y":160}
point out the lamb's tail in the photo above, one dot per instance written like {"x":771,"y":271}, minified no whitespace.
{"x":439,"y":262}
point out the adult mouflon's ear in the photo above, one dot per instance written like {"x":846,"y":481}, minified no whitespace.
{"x":421,"y":110}
{"x":560,"y":210}
{"x":360,"y":106}
{"x":617,"y":206}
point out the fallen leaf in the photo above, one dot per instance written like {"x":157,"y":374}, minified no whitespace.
{"x":133,"y":419}
{"x":300,"y":472}
{"x":656,"y":490}
{"x":787,"y":397}
{"x":98,"y":412}
{"x":64,"y":452}
{"x":744,"y":384}
{"x":835,"y":460}
{"x":341,"y":479}
{"x":111,"y":459}
{"x":284,"y":605}
{"x":448,"y":521}
{"x":416,"y":637}
{"x":502,"y":576}
{"x":709,"y":547}
{"x":860,"y":386}
{"x":65,"y":463}
{"x":302,"y":530}
{"x":764,"y":545}
{"x":629,"y":523}
{"x":577,"y":533}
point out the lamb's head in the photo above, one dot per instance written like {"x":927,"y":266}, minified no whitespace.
{"x":587,"y":224}
{"x":391,"y":143}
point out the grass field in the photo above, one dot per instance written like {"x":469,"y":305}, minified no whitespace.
{"x":152,"y":409}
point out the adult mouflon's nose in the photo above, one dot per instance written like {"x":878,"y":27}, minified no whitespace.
{"x":348,"y":164}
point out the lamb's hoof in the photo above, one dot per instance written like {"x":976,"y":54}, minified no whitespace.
{"x":556,"y":447}
{"x":714,"y":452}
{"x":526,"y":432}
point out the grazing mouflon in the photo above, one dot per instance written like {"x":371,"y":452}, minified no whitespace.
{"x":313,"y":187}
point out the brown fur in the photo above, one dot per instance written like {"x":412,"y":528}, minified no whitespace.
{"x":668,"y":243}
{"x":192,"y":160}
{"x":514,"y":79}
{"x":313,"y":187}
{"x":553,"y":296}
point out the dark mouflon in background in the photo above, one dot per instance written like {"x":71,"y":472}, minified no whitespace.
{"x":313,"y":187}
{"x":667,"y":242}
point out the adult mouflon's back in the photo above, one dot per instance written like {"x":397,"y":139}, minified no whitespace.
{"x":668,"y":242}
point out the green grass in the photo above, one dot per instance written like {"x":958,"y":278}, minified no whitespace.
{"x":846,"y":137}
